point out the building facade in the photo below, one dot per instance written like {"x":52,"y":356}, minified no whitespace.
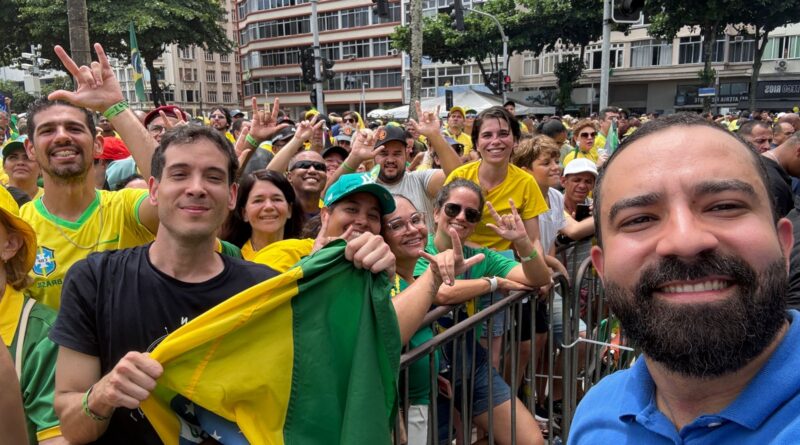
{"x":272,"y":33}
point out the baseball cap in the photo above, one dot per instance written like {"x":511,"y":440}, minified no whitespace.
{"x":11,"y":210}
{"x":169,"y":110}
{"x":335,"y":149}
{"x":388,"y":134}
{"x":17,"y":143}
{"x":357,"y":183}
{"x":285,"y":133}
{"x":580,"y":165}
{"x":113,"y":149}
{"x":457,"y":108}
{"x":346,"y":133}
{"x":237,"y":113}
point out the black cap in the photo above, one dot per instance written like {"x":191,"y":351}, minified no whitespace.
{"x":335,"y":149}
{"x":389,"y":133}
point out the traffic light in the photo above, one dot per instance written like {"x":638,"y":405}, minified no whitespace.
{"x":457,"y":15}
{"x":307,"y":65}
{"x":506,"y":82}
{"x":327,"y":69}
{"x":627,"y":11}
{"x":381,"y":8}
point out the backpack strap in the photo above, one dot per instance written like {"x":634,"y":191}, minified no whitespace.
{"x":21,"y":330}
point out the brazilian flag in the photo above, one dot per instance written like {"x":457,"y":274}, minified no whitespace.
{"x":136,"y":63}
{"x":308,"y":357}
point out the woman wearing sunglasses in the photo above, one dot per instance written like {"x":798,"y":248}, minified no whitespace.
{"x":266,"y":211}
{"x":583,"y":135}
{"x":457,"y":213}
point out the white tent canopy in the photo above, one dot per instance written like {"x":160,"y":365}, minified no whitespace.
{"x":466,"y":99}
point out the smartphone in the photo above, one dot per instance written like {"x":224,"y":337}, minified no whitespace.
{"x":582,"y":211}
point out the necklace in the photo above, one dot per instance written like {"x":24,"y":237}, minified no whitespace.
{"x":71,"y":241}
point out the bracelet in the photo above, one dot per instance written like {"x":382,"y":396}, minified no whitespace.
{"x":533,"y":255}
{"x":347,"y":167}
{"x":116,"y":109}
{"x":87,"y":411}
{"x":492,"y":283}
{"x":251,"y":140}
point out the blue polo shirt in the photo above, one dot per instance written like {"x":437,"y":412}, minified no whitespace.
{"x":621,"y":408}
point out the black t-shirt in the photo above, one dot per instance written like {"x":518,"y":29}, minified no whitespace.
{"x":115,"y":302}
{"x":779,"y":187}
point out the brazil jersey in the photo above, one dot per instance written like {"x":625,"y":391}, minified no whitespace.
{"x":38,"y":359}
{"x":110,"y":222}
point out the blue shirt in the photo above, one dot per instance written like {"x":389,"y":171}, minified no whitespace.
{"x":621,"y":408}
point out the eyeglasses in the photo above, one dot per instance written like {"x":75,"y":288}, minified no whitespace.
{"x":588,"y":135}
{"x":217,"y":116}
{"x":398,"y":225}
{"x":318,"y":166}
{"x":349,"y":120}
{"x":471,"y":116}
{"x":156,"y":129}
{"x":471,"y":215}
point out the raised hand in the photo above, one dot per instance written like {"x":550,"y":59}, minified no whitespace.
{"x":306,"y":129}
{"x":450,"y":263}
{"x":265,"y":122}
{"x":429,"y":122}
{"x":97,"y":87}
{"x":168,"y":124}
{"x":363,"y":146}
{"x":509,"y":227}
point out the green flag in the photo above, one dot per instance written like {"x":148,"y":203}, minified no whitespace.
{"x":136,"y":62}
{"x":612,"y":140}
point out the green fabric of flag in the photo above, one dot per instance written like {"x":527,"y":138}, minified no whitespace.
{"x":612,"y":140}
{"x":136,"y":63}
{"x":308,"y":357}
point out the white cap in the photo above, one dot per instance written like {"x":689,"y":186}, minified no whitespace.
{"x":580,"y":165}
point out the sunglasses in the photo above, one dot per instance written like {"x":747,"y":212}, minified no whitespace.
{"x":318,"y":166}
{"x":588,"y":135}
{"x":471,"y":116}
{"x":471,"y":215}
{"x":349,"y":120}
{"x":217,"y":116}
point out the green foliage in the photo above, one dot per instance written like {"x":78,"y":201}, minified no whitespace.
{"x":568,"y":71}
{"x":58,"y":83}
{"x":20,"y":99}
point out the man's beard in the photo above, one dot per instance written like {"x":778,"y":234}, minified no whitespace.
{"x":68,"y":174}
{"x":703,"y":339}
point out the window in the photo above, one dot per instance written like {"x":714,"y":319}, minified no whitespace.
{"x":550,"y":61}
{"x":387,"y":78}
{"x":212,"y":96}
{"x":353,"y":80}
{"x":227,"y":97}
{"x":186,"y":53}
{"x":594,"y":56}
{"x":211,"y":76}
{"x":187,"y":74}
{"x":223,"y":57}
{"x":530,"y":66}
{"x":380,"y":46}
{"x":331,"y":51}
{"x":353,"y":18}
{"x":189,"y":95}
{"x":394,"y":14}
{"x":328,"y":21}
{"x":734,"y":89}
{"x":651,"y":52}
{"x":355,"y":49}
{"x":209,"y":57}
{"x":225,"y":76}
{"x":273,"y":28}
{"x":787,"y":47}
{"x":690,"y":50}
{"x":742,"y":49}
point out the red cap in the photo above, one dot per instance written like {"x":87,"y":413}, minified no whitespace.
{"x":169,"y":110}
{"x":113,"y":149}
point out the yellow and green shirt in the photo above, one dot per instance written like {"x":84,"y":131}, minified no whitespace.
{"x":110,"y":222}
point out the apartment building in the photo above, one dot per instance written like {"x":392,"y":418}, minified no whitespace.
{"x":272,"y":33}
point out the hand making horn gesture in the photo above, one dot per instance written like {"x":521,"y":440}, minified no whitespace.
{"x":447,"y":265}
{"x":429,"y":123}
{"x":509,"y":227}
{"x":97,"y":87}
{"x":265,"y":122}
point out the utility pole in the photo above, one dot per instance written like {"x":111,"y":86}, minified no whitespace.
{"x":317,"y":57}
{"x":78,"y":32}
{"x":606,"y":54}
{"x":504,"y":64}
{"x":416,"y":57}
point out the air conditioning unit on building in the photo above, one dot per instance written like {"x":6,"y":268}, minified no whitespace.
{"x":781,"y":65}
{"x":392,"y":52}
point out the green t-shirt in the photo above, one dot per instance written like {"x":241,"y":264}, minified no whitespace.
{"x":419,"y":378}
{"x":493,"y":265}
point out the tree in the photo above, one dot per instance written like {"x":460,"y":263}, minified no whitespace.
{"x":78,"y":32}
{"x":567,"y":71}
{"x":58,"y":83}
{"x":531,"y":25}
{"x":158,"y":24}
{"x":20,"y":99}
{"x":416,"y":57}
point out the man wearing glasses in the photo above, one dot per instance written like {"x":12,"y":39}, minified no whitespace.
{"x":308,"y":176}
{"x":221,"y":120}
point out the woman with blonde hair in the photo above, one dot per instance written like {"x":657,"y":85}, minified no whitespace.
{"x":583,"y":134}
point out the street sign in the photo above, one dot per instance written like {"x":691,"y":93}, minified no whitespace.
{"x":706,"y":92}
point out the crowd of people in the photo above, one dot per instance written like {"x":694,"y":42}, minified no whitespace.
{"x":120,"y":226}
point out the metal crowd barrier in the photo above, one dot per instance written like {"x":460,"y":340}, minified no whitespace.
{"x":585,"y":358}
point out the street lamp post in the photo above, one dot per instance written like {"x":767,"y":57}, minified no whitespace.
{"x":505,"y":45}
{"x":363,"y":100}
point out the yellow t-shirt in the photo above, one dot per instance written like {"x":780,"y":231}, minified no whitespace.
{"x":282,"y":255}
{"x":592,"y":156}
{"x":599,"y":142}
{"x":110,"y":222}
{"x":229,"y":136}
{"x":518,"y":185}
{"x":465,"y":140}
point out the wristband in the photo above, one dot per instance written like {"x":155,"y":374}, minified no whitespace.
{"x":347,"y":167}
{"x":116,"y":109}
{"x":533,"y":255}
{"x":252,"y":141}
{"x":492,"y":283}
{"x":87,"y":411}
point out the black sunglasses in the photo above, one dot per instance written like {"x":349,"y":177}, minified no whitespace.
{"x":349,"y":120}
{"x":318,"y":166}
{"x":587,"y":135}
{"x":470,"y":214}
